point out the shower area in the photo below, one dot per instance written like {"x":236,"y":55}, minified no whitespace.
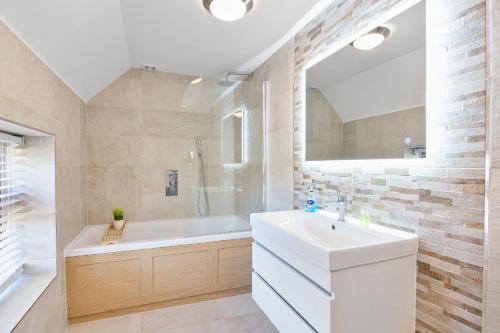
{"x":227,"y":176}
{"x":184,"y":158}
{"x":166,"y":146}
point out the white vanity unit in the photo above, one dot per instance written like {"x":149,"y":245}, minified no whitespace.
{"x":312,"y":273}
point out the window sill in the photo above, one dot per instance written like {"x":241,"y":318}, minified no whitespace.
{"x":19,"y":297}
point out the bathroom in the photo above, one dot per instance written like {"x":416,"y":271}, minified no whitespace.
{"x":209,"y":165}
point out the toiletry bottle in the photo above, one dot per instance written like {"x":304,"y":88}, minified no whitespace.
{"x":311,"y":205}
{"x":365,"y":218}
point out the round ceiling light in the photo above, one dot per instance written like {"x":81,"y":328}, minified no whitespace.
{"x":228,"y":10}
{"x":372,"y":39}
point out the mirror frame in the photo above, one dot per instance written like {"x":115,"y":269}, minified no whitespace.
{"x":348,"y":39}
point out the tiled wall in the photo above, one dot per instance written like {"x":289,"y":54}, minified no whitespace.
{"x":278,"y":71}
{"x":383,"y":136}
{"x":31,"y":95}
{"x":442,"y":200}
{"x":324,"y":132}
{"x":380,"y":136}
{"x":248,"y":176}
{"x":492,"y":261}
{"x":145,"y":123}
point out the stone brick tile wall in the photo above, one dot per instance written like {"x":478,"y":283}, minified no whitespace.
{"x":492,"y":261}
{"x":442,"y":199}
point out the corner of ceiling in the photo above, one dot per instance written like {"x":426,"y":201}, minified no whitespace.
{"x":261,"y":57}
{"x":53,"y":70}
{"x":124,"y":70}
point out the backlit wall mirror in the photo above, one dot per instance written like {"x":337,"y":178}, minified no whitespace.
{"x":368,"y":100}
{"x":232,"y":137}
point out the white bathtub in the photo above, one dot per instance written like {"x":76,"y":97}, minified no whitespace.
{"x":153,"y":234}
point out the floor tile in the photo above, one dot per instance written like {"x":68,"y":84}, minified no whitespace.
{"x":236,"y":314}
{"x":217,"y":326}
{"x":125,"y":324}
{"x":251,"y":323}
{"x":238,"y":305}
{"x":180,"y":316}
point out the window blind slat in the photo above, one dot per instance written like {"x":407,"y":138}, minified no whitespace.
{"x":13,"y":194}
{"x":10,"y":202}
{"x":11,"y":257}
{"x":11,"y":250}
{"x":11,"y":269}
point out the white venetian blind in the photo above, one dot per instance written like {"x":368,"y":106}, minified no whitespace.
{"x":11,"y":253}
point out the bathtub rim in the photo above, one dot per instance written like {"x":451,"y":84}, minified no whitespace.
{"x":72,"y":251}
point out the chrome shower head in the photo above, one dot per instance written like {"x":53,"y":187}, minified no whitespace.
{"x":227,"y":82}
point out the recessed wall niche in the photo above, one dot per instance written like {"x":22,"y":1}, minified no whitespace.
{"x":27,"y":217}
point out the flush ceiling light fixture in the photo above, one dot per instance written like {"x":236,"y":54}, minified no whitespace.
{"x":372,"y":39}
{"x":197,"y":80}
{"x":228,"y":10}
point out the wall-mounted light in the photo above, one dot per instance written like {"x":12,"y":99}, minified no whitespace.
{"x":228,"y":10}
{"x":197,"y":80}
{"x":372,"y":39}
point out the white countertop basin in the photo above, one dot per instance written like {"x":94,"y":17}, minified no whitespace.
{"x":349,"y":244}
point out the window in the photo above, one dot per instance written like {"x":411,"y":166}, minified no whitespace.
{"x":11,"y":252}
{"x":27,"y":220}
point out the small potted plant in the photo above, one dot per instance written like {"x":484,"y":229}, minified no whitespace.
{"x":118,"y":218}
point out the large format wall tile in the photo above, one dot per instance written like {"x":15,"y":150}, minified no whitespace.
{"x":31,"y":95}
{"x":278,"y":72}
{"x":145,"y":123}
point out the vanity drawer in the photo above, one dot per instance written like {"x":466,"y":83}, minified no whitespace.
{"x":312,"y":303}
{"x":282,"y":316}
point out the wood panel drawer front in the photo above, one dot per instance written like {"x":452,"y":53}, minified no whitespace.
{"x":181,"y":275}
{"x":104,"y":286}
{"x":234,"y":269}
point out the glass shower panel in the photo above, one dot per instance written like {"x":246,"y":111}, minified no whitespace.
{"x":227,"y":165}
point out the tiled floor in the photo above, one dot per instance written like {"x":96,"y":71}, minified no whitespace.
{"x":237,"y":314}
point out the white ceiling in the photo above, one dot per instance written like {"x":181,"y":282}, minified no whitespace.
{"x":89,"y":43}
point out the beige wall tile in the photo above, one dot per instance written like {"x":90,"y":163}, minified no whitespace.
{"x":129,"y":148}
{"x":164,"y":91}
{"x":492,"y":320}
{"x":33,"y":96}
{"x":278,"y":71}
{"x":280,"y":145}
{"x":126,"y":92}
{"x":111,"y":121}
{"x":492,"y":280}
{"x":280,"y":188}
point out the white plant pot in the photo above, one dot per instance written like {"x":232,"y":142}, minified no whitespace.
{"x":118,"y":224}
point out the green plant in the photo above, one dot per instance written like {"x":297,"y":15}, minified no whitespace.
{"x":118,"y":214}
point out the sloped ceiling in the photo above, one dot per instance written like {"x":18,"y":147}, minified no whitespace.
{"x":360,"y":84}
{"x":82,"y":41}
{"x":90,"y":43}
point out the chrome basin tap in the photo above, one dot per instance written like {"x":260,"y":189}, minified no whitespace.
{"x":339,"y":205}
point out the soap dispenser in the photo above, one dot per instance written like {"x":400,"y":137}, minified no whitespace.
{"x":311,"y":205}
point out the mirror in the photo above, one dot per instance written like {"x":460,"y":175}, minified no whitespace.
{"x":368,"y":100}
{"x":232,"y":138}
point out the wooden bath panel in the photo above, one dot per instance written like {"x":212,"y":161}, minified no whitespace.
{"x":119,"y":280}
